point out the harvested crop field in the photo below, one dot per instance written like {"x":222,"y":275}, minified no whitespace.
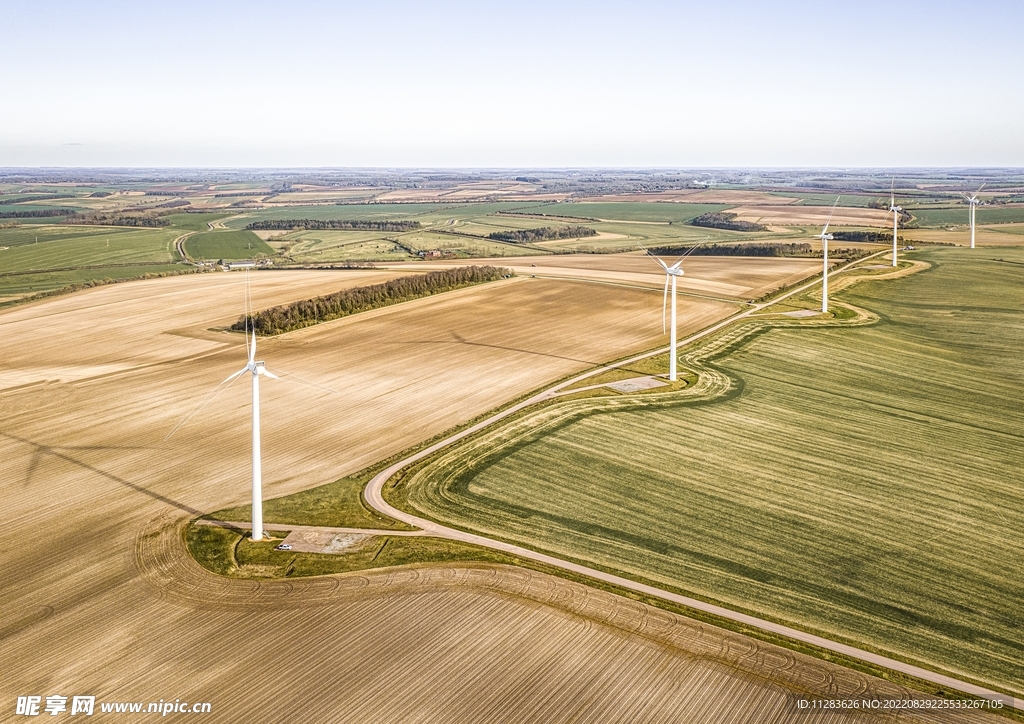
{"x":863,"y":482}
{"x":466,"y":644}
{"x":102,"y":599}
{"x":731,"y":277}
{"x":800,"y":215}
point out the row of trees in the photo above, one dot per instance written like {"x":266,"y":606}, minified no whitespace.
{"x":38,"y":197}
{"x":545,"y":233}
{"x":325,"y":224}
{"x":297,"y":315}
{"x":545,"y":216}
{"x":761,"y":249}
{"x":869,"y":236}
{"x":120,"y":220}
{"x":725,"y":220}
{"x":799,"y":249}
{"x":36,"y":213}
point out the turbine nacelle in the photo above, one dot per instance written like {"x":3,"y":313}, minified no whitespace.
{"x":258,"y":369}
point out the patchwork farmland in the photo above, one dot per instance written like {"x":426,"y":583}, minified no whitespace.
{"x":642,"y":492}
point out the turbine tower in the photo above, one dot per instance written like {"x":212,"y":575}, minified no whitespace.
{"x":257,"y":369}
{"x":895,"y":217}
{"x":973,"y":201}
{"x":825,"y":238}
{"x":671,"y":272}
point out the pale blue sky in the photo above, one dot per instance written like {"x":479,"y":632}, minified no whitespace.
{"x":512,"y":84}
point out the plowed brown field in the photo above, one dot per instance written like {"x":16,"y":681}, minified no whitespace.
{"x":812,"y":215}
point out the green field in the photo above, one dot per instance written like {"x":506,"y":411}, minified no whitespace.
{"x":632,"y":210}
{"x":194,"y":221}
{"x":825,"y":199}
{"x":20,"y":285}
{"x":62,"y":247}
{"x":425,"y":213}
{"x":629,"y":223}
{"x":229,"y":245}
{"x":958,"y":215}
{"x":45,"y":257}
{"x":863,"y":482}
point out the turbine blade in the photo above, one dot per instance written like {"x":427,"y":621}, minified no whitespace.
{"x":270,"y":374}
{"x":646,"y":251}
{"x":892,"y":192}
{"x":825,"y":230}
{"x":980,"y":188}
{"x":664,"y":307}
{"x":245,"y":304}
{"x":208,"y":399}
{"x":234,"y":375}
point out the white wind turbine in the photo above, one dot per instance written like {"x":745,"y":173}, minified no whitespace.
{"x":825,"y":238}
{"x":973,"y":201}
{"x":257,"y":369}
{"x":671,"y":272}
{"x":895,"y":217}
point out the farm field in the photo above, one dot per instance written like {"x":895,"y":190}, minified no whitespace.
{"x":46,"y":257}
{"x":860,"y":482}
{"x":501,"y":641}
{"x":800,"y":215}
{"x":633,"y":210}
{"x":734,"y":278}
{"x":461,"y":229}
{"x":144,"y":355}
{"x":228,"y":245}
{"x":996,"y":235}
{"x":958,"y":215}
{"x":423,"y":212}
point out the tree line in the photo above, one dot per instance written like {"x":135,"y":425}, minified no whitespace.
{"x":120,"y":220}
{"x":288,"y":317}
{"x":725,"y":220}
{"x":327,"y":224}
{"x":38,"y":197}
{"x":36,"y":214}
{"x":798,"y":249}
{"x":869,"y":236}
{"x":545,"y":216}
{"x":545,"y":233}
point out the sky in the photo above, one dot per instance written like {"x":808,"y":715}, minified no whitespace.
{"x":512,"y":84}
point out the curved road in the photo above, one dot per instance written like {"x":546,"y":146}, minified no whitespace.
{"x":375,"y":499}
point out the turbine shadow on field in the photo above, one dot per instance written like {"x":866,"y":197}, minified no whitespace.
{"x":41,"y":450}
{"x":462,"y":340}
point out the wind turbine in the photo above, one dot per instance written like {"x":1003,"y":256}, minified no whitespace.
{"x":825,"y":239}
{"x":671,"y":272}
{"x":895,"y":217}
{"x":973,"y":201}
{"x":258,"y":370}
